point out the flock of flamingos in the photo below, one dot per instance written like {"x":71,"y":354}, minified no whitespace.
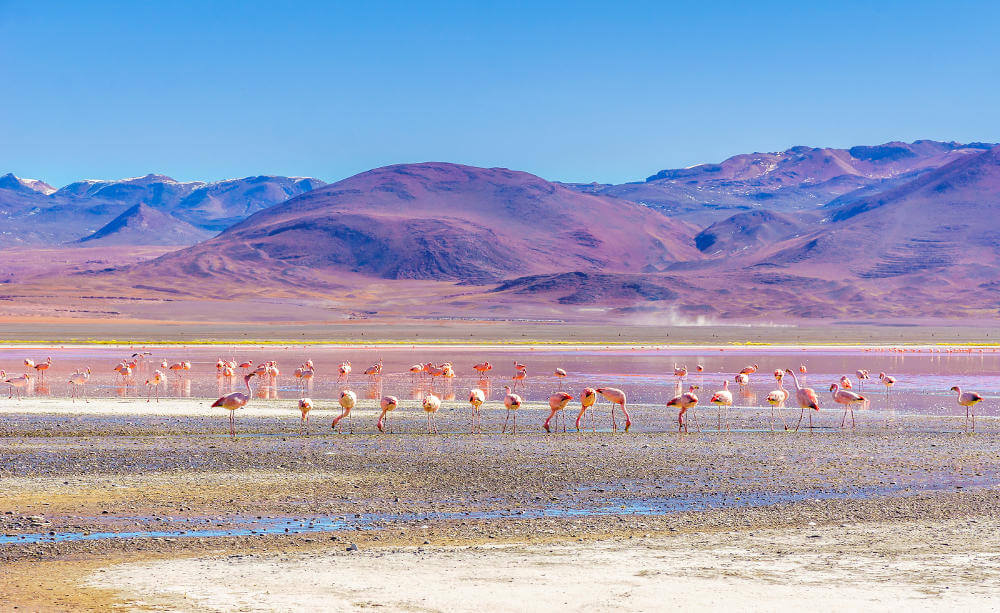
{"x":685,"y":402}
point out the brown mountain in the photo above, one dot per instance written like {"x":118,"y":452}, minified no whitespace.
{"x":443,"y":222}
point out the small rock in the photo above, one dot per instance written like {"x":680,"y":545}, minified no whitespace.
{"x":352,"y":547}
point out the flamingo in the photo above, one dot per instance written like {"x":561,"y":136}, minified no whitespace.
{"x":29,"y":362}
{"x":154,"y":383}
{"x":42,"y":367}
{"x":519,"y":375}
{"x":888,"y":382}
{"x":433,"y":371}
{"x":685,"y":402}
{"x":680,"y":372}
{"x":615,"y":396}
{"x":186,"y":366}
{"x":482,"y":369}
{"x":305,"y":405}
{"x":742,"y":379}
{"x":78,"y":381}
{"x":587,"y":399}
{"x":431,"y":405}
{"x":968,"y":400}
{"x":177,"y":368}
{"x":415,"y":370}
{"x":387,"y":404}
{"x":807,"y":400}
{"x":513,"y":402}
{"x":777,"y":398}
{"x":273,"y":372}
{"x":233,"y":401}
{"x":347,"y":401}
{"x":476,"y":398}
{"x":228,"y":372}
{"x":559,"y":374}
{"x":845,"y":383}
{"x":375,"y":370}
{"x":848,"y":399}
{"x":17,"y":383}
{"x":749,"y":370}
{"x":246,"y":366}
{"x":519,"y":366}
{"x":723,"y":398}
{"x":344,"y":368}
{"x":862,"y":376}
{"x":557,"y":402}
{"x":219,"y":365}
{"x":700,"y":370}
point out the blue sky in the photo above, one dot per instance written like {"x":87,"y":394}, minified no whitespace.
{"x":606,"y":91}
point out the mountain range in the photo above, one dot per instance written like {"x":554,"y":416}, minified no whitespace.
{"x":900,"y":230}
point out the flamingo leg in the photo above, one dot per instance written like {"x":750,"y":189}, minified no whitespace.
{"x":507,"y":419}
{"x":628,"y":420}
{"x":801,"y":413}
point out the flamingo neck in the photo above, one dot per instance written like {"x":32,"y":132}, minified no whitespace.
{"x":796,"y":380}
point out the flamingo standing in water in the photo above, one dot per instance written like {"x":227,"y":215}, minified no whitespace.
{"x":476,"y":398}
{"x":305,"y":405}
{"x":154,"y":383}
{"x":344,"y":370}
{"x":848,"y":399}
{"x":777,"y":398}
{"x":742,"y":379}
{"x":519,"y":375}
{"x":415,"y":370}
{"x":862,"y":376}
{"x":246,"y":366}
{"x":18,"y":383}
{"x":347,"y":401}
{"x":968,"y":400}
{"x":483,"y":368}
{"x":431,"y":405}
{"x":723,"y":398}
{"x":845,"y":383}
{"x":559,"y":374}
{"x":680,"y":372}
{"x":888,"y":382}
{"x":685,"y":402}
{"x":513,"y":402}
{"x":587,"y":399}
{"x":806,"y":398}
{"x":557,"y":402}
{"x":78,"y":381}
{"x":616,"y":397}
{"x":375,"y":370}
{"x":42,"y":367}
{"x":233,"y":401}
{"x":749,"y":370}
{"x":387,"y":404}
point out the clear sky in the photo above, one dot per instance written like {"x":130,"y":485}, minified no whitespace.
{"x":576,"y":91}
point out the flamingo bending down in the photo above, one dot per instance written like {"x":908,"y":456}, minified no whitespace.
{"x":476,"y":398}
{"x":968,"y":400}
{"x":806,"y":398}
{"x":615,"y":396}
{"x":848,"y":399}
{"x":777,"y":398}
{"x":742,"y":379}
{"x":723,"y":398}
{"x":305,"y":405}
{"x":387,"y":404}
{"x":154,"y":383}
{"x":431,"y":405}
{"x":347,"y":401}
{"x":78,"y":381}
{"x":344,"y":370}
{"x":233,"y":401}
{"x":845,"y":383}
{"x":685,"y":402}
{"x":513,"y":402}
{"x":557,"y":402}
{"x":587,"y":399}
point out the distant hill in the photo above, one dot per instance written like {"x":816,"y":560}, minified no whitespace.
{"x":33,"y":213}
{"x":439,"y":221}
{"x":144,"y":225}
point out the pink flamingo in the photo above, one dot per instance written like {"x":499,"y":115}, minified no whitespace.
{"x":375,"y":370}
{"x":42,"y":367}
{"x":587,"y":399}
{"x":483,"y":368}
{"x":616,"y":397}
{"x":845,"y":383}
{"x":305,"y":405}
{"x":347,"y":401}
{"x":387,"y":404}
{"x":862,"y":376}
{"x":513,"y":402}
{"x":344,"y":368}
{"x":685,"y":402}
{"x":476,"y":398}
{"x":848,"y":399}
{"x":723,"y":398}
{"x":749,"y":370}
{"x":968,"y":400}
{"x":888,"y":382}
{"x":806,"y":398}
{"x":18,"y":383}
{"x":742,"y":379}
{"x":154,"y":383}
{"x":559,"y":374}
{"x":777,"y":398}
{"x":557,"y":402}
{"x":233,"y":401}
{"x":431,"y":405}
{"x":78,"y":381}
{"x":519,"y":376}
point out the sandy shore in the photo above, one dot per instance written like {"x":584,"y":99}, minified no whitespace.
{"x":115,"y":506}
